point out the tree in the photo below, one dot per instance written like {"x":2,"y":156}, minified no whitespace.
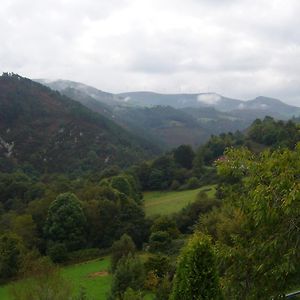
{"x":121,"y":248}
{"x":129,"y":273}
{"x":184,"y":156}
{"x":66,"y":222}
{"x":160,"y":241}
{"x":260,"y":256}
{"x":196,"y":276}
{"x":25,"y":227}
{"x":167,"y":224}
{"x":11,"y":254}
{"x":58,"y":252}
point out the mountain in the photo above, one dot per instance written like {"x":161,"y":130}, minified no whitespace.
{"x":64,"y":86}
{"x":41,"y":128}
{"x":258,"y":107}
{"x":173,"y":119}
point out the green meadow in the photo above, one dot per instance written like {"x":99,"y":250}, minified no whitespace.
{"x":93,"y":276}
{"x":169,"y":202}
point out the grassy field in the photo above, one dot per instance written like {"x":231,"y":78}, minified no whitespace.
{"x":164,"y":203}
{"x":91,"y":275}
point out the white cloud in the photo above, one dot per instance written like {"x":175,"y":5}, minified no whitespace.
{"x":209,"y":98}
{"x":237,"y":48}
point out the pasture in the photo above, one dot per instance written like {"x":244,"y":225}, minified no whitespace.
{"x":168,"y":202}
{"x":93,"y":276}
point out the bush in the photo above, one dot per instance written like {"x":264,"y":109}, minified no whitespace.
{"x":196,"y":276}
{"x":193,"y":183}
{"x":11,"y":254}
{"x":121,"y":248}
{"x":129,"y":273}
{"x":175,"y":185}
{"x":58,"y":253}
{"x":159,"y":241}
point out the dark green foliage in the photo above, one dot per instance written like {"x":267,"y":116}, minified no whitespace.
{"x":274,"y":133}
{"x":11,"y":253}
{"x":216,"y":145}
{"x":18,"y":186}
{"x":159,"y":264}
{"x":110,"y":214}
{"x":175,"y":185}
{"x":192,"y":183}
{"x":189,"y":215}
{"x":167,"y":224}
{"x":184,"y":156}
{"x":121,"y":184}
{"x":196,"y":276}
{"x":160,"y":241}
{"x":257,"y":228}
{"x":58,"y":252}
{"x":129,"y":273}
{"x":121,"y":248}
{"x":156,"y":178}
{"x":164,"y":289}
{"x":66,"y":222}
{"x":125,"y":184}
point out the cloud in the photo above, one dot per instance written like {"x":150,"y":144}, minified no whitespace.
{"x":209,"y":98}
{"x":237,"y":48}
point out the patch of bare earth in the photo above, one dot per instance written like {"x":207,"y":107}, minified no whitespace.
{"x":98,"y":274}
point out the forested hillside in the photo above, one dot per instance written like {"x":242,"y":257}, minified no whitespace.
{"x":41,"y":129}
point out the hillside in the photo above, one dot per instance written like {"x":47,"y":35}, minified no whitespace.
{"x":53,"y":133}
{"x":169,"y":120}
{"x":258,"y":107}
{"x":168,"y":126}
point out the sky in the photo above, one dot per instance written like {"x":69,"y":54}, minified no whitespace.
{"x":237,"y":48}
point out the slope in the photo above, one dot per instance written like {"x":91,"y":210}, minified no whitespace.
{"x":43,"y":129}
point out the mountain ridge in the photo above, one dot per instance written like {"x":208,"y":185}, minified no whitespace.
{"x":42,"y":128}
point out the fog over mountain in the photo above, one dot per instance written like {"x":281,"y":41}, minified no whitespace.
{"x":173,"y":119}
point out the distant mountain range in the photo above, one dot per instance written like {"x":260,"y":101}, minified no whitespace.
{"x":259,"y":105}
{"x":174,"y":119}
{"x":40,"y":127}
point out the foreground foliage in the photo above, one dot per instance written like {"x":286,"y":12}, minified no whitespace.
{"x":257,"y":229}
{"x":196,"y":276}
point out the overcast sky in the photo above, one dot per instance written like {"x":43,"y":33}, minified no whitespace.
{"x":238,"y":48}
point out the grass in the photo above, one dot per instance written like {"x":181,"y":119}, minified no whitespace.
{"x":96,"y":287}
{"x":165,"y":203}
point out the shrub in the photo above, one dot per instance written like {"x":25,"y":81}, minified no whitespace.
{"x":196,"y":276}
{"x":58,"y":252}
{"x":121,"y":248}
{"x":193,"y":183}
{"x":175,"y":185}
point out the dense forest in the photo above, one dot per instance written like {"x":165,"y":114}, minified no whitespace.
{"x":240,"y":244}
